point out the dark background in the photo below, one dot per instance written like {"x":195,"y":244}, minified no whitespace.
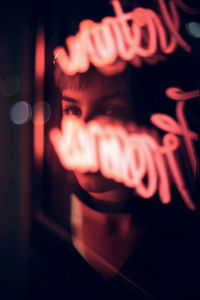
{"x":19,"y":21}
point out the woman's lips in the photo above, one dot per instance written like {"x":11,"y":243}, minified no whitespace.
{"x":92,"y":174}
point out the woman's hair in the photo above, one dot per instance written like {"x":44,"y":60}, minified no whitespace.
{"x":81,"y":81}
{"x":128,"y":81}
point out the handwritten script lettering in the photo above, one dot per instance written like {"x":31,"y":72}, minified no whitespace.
{"x":110,"y":44}
{"x":131,"y":157}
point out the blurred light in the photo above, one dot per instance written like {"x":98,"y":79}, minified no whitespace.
{"x":194,"y":29}
{"x":20,"y":112}
{"x":41,"y":113}
{"x":108,"y":50}
{"x":11,"y":86}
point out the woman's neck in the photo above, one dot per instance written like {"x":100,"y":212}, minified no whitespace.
{"x":103,"y":239}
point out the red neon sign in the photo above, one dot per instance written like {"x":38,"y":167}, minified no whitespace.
{"x":110,"y":44}
{"x":38,"y":127}
{"x":130,"y":157}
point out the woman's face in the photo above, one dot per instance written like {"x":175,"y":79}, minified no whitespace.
{"x":98,"y":101}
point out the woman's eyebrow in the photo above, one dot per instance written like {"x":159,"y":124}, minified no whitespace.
{"x":111,"y":97}
{"x":70,"y":99}
{"x":103,"y":99}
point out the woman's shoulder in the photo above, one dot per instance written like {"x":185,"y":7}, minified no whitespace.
{"x":167,"y":263}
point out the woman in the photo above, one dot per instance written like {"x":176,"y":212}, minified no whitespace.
{"x":120,"y":245}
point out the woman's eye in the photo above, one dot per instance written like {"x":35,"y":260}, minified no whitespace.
{"x":109,"y":110}
{"x":114,"y":110}
{"x":73,"y":110}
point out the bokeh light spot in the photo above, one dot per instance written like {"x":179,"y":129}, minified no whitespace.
{"x":41,"y":113}
{"x":11,"y":86}
{"x":194,"y":29}
{"x":20,"y":112}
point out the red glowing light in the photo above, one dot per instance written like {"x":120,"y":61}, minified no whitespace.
{"x":110,"y":44}
{"x":130,"y":157}
{"x":38,"y":118}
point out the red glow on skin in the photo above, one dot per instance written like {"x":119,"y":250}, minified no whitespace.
{"x":111,"y":43}
{"x":129,"y":157}
{"x":38,"y":118}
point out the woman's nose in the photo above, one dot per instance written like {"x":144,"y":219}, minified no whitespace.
{"x":89,"y":115}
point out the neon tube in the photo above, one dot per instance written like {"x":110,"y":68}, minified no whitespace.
{"x":130,"y":157}
{"x":112,"y":40}
{"x":38,"y":118}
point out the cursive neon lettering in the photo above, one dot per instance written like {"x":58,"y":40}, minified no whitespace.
{"x":166,"y":123}
{"x":169,"y":142}
{"x":110,"y":44}
{"x":131,"y":157}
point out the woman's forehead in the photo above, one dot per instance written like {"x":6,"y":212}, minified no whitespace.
{"x":94,"y":90}
{"x":92,"y":79}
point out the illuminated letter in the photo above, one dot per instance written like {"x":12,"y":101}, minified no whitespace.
{"x":169,"y":23}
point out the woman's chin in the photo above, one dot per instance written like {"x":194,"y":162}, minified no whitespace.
{"x":95,"y":182}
